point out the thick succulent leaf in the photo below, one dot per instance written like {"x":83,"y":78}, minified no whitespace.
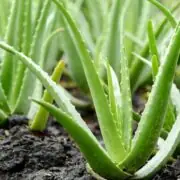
{"x":24,"y":35}
{"x":155,"y":65}
{"x":10,"y":37}
{"x":115,"y":98}
{"x":165,"y":152}
{"x":41,"y":117}
{"x":4,"y":11}
{"x":174,"y":97}
{"x":37,"y":94}
{"x":3,"y":101}
{"x":136,"y":17}
{"x":3,"y":117}
{"x":153,"y":116}
{"x":94,"y":14}
{"x":73,"y":58}
{"x":83,"y":24}
{"x":113,"y":45}
{"x":38,"y":90}
{"x":29,"y":80}
{"x":169,"y":118}
{"x":152,"y":41}
{"x":91,"y":149}
{"x":110,"y":135}
{"x":165,"y":11}
{"x":137,"y":66}
{"x":125,"y":83}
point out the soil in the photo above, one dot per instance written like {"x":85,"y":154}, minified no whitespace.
{"x":51,"y":155}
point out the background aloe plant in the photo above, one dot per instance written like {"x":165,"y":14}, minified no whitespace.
{"x":100,"y":36}
{"x":29,"y":29}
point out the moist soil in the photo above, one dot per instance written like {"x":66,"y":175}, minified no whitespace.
{"x":51,"y":155}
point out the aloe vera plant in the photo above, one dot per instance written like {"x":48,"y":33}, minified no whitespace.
{"x":25,"y":32}
{"x":124,"y":156}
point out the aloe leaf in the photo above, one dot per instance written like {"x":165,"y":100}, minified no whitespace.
{"x":94,"y":14}
{"x":38,"y":90}
{"x":73,"y":58}
{"x":115,"y":101}
{"x":152,"y":118}
{"x":81,"y":104}
{"x":93,"y":152}
{"x":165,"y":11}
{"x":40,"y":5}
{"x":113,"y":45}
{"x":3,"y":101}
{"x":163,"y":155}
{"x":37,"y":94}
{"x":155,"y":65}
{"x":152,"y":41}
{"x":169,"y":118}
{"x":41,"y":117}
{"x":3,"y":117}
{"x":84,"y":23}
{"x":110,"y":135}
{"x":7,"y":65}
{"x":134,"y":39}
{"x":125,"y":84}
{"x":22,"y":103}
{"x":24,"y":45}
{"x":136,"y":17}
{"x":4,"y":11}
{"x":137,"y":66}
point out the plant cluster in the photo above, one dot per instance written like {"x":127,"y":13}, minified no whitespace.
{"x":103,"y":57}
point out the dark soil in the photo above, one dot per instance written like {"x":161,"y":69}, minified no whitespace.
{"x":50,"y":155}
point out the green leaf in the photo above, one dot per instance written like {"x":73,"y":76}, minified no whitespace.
{"x":10,"y":37}
{"x":169,"y":118}
{"x":73,"y":58}
{"x":166,"y":12}
{"x":3,"y":117}
{"x":41,"y":117}
{"x":22,"y":103}
{"x":163,"y":155}
{"x":155,"y":65}
{"x":115,"y":101}
{"x":3,"y":101}
{"x":112,"y":50}
{"x":152,"y":41}
{"x":125,"y":84}
{"x":24,"y":35}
